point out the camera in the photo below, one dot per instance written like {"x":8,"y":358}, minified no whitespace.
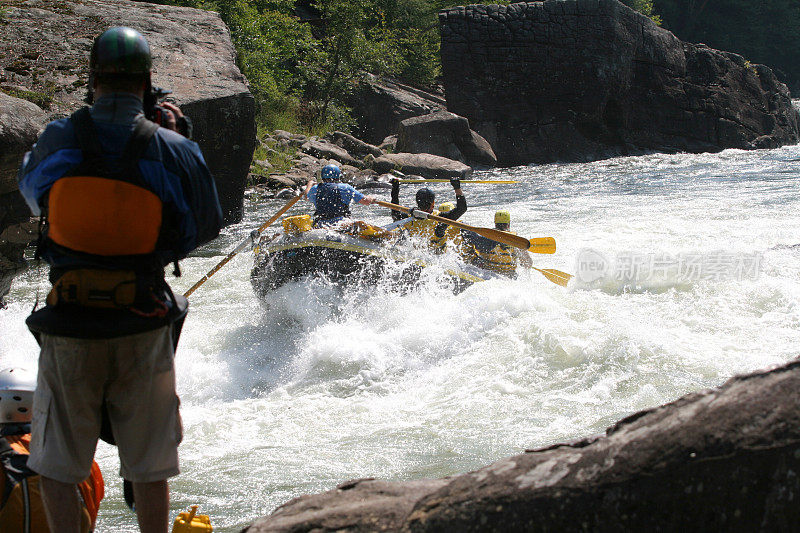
{"x":152,"y":109}
{"x":160,"y":114}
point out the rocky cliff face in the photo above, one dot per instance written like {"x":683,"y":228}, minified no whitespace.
{"x":574,"y":80}
{"x":718,"y":460}
{"x":44,"y":58}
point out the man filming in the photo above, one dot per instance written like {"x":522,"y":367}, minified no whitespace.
{"x":122,"y":198}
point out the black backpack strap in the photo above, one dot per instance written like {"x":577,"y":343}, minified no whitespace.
{"x":88,"y":140}
{"x":15,"y":469}
{"x":5,"y":457}
{"x":136,"y":146}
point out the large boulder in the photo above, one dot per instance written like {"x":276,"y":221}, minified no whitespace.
{"x":445,"y":134}
{"x":44,"y":56}
{"x":575,"y":80}
{"x":425,"y":165}
{"x":355,"y":147}
{"x":20,"y":124}
{"x":719,"y":460}
{"x":327,"y":150}
{"x":380,"y":104}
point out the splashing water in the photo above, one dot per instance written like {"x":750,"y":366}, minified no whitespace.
{"x":320,"y":384}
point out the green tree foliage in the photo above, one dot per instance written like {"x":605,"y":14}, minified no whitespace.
{"x":301,"y":78}
{"x":764,"y":31}
{"x":271,"y":45}
{"x":645,"y":7}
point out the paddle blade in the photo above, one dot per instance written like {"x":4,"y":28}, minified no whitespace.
{"x":543,"y":245}
{"x":556,"y":276}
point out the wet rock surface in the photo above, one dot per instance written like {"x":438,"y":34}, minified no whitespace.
{"x":724,"y":459}
{"x":579,"y":80}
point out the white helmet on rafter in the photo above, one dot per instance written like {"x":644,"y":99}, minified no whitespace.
{"x":16,"y":395}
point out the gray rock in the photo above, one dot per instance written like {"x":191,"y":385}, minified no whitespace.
{"x":724,"y":459}
{"x":425,"y":165}
{"x":288,"y":136}
{"x":324,"y":149}
{"x":298,"y":177}
{"x":349,"y":173}
{"x":587,"y":79}
{"x":389,"y":144}
{"x":355,"y":147}
{"x":307,"y":163}
{"x":272,"y":181}
{"x":380,"y":104}
{"x":445,"y":134}
{"x":285,"y":194}
{"x":361,"y":505}
{"x":45,"y":49}
{"x":20,"y":124}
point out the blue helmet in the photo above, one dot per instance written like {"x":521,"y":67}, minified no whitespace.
{"x":331,"y":173}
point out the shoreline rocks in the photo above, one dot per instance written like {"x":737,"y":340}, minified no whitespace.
{"x":365,"y":166}
{"x":721,"y":459}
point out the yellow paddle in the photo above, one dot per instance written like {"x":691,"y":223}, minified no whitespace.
{"x":250,"y":239}
{"x":556,"y":276}
{"x":539,"y":245}
{"x":432,"y":180}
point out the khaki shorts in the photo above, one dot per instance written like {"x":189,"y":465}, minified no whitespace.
{"x":136,"y":377}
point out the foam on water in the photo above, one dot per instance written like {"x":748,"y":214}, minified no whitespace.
{"x":319,"y":384}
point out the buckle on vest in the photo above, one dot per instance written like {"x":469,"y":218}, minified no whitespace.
{"x":105,"y":289}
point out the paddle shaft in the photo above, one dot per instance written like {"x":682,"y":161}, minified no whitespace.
{"x":243,"y":244}
{"x":494,"y":234}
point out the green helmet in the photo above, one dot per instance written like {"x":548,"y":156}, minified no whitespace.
{"x":120,"y":50}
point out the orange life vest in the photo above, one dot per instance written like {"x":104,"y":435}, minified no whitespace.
{"x":104,"y":213}
{"x":21,"y":508}
{"x":103,"y":216}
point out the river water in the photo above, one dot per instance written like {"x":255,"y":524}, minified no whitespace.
{"x":689,"y":274}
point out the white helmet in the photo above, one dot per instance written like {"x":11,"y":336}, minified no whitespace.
{"x":16,"y":395}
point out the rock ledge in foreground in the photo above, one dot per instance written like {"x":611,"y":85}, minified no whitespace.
{"x":724,"y":459}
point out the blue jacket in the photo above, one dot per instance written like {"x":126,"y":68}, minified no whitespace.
{"x":173,"y":167}
{"x":332,"y":200}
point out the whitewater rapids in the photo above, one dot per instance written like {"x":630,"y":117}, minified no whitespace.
{"x":320,"y":385}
